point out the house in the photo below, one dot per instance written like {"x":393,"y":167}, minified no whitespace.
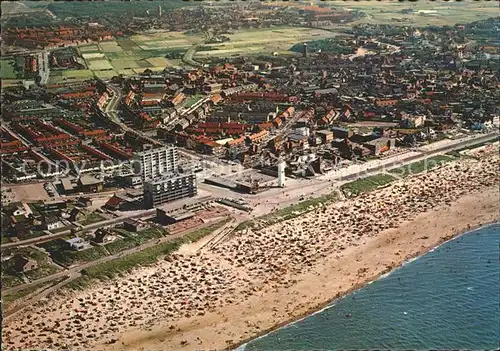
{"x":53,"y":206}
{"x":21,"y":264}
{"x":76,"y":215}
{"x":84,"y":201}
{"x":22,"y":209}
{"x":103,"y":237}
{"x":51,"y":223}
{"x":77,"y":244}
{"x":134,"y":225}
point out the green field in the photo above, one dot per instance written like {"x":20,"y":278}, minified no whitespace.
{"x":92,"y":218}
{"x":421,"y":166}
{"x":263,"y":41}
{"x":80,"y":73}
{"x":366,"y":184}
{"x":191,"y":100}
{"x":7,"y":69}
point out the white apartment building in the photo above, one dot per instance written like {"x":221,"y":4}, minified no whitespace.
{"x":154,"y":163}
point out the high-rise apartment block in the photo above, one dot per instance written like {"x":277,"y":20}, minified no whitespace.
{"x":169,"y":188}
{"x":154,"y":163}
{"x":161,"y":178}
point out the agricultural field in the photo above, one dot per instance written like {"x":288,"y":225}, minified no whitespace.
{"x":110,"y":46}
{"x":163,"y":40}
{"x":424,"y":13}
{"x":88,"y":48}
{"x":128,"y":56}
{"x":80,"y":73}
{"x":99,"y":65}
{"x":263,"y":40}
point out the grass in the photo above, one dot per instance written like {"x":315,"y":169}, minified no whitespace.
{"x":8,"y":281}
{"x":366,"y":184}
{"x":119,"y":266}
{"x":41,"y":272}
{"x":421,"y":166}
{"x":69,"y":257}
{"x":8,"y":299}
{"x":120,"y":245}
{"x":190,"y":101}
{"x":290,"y":211}
{"x":61,"y":254}
{"x":7,"y":69}
{"x":92,"y":217}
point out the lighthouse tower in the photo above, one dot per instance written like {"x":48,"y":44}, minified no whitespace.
{"x":281,"y":173}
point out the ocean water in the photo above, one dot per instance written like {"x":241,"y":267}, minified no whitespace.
{"x":446,"y":299}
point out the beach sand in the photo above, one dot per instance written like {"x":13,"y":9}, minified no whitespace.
{"x":265,"y":277}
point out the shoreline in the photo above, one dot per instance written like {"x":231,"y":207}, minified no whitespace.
{"x":160,"y":336}
{"x":321,"y":307}
{"x":264,"y":279}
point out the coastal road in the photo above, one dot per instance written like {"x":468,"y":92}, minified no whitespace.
{"x":298,"y":189}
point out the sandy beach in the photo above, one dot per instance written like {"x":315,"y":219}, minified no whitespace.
{"x":264,"y":277}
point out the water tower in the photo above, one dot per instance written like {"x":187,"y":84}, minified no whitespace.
{"x":281,"y":173}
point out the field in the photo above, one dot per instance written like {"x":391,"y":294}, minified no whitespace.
{"x":424,"y":12}
{"x":265,"y":40}
{"x":132,"y":55}
{"x":99,"y":65}
{"x":110,"y":46}
{"x":7,"y":69}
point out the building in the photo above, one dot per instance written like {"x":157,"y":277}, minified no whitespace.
{"x":155,"y":163}
{"x":51,"y":223}
{"x":89,"y":184}
{"x":134,"y":225}
{"x":380,"y":145}
{"x":171,"y":187}
{"x":77,"y":244}
{"x":21,"y":264}
{"x":326,"y":136}
{"x":341,"y":133}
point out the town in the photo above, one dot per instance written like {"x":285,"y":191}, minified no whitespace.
{"x":112,"y":147}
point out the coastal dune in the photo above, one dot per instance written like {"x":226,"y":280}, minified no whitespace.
{"x":265,"y":277}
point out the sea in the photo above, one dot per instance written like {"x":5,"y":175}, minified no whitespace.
{"x":448,"y":298}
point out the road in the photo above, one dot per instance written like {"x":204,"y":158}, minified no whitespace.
{"x":43,"y":67}
{"x":298,"y":189}
{"x":188,"y":56}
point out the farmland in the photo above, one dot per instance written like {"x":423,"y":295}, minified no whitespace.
{"x":265,"y":40}
{"x":424,"y":13}
{"x":134,"y":54}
